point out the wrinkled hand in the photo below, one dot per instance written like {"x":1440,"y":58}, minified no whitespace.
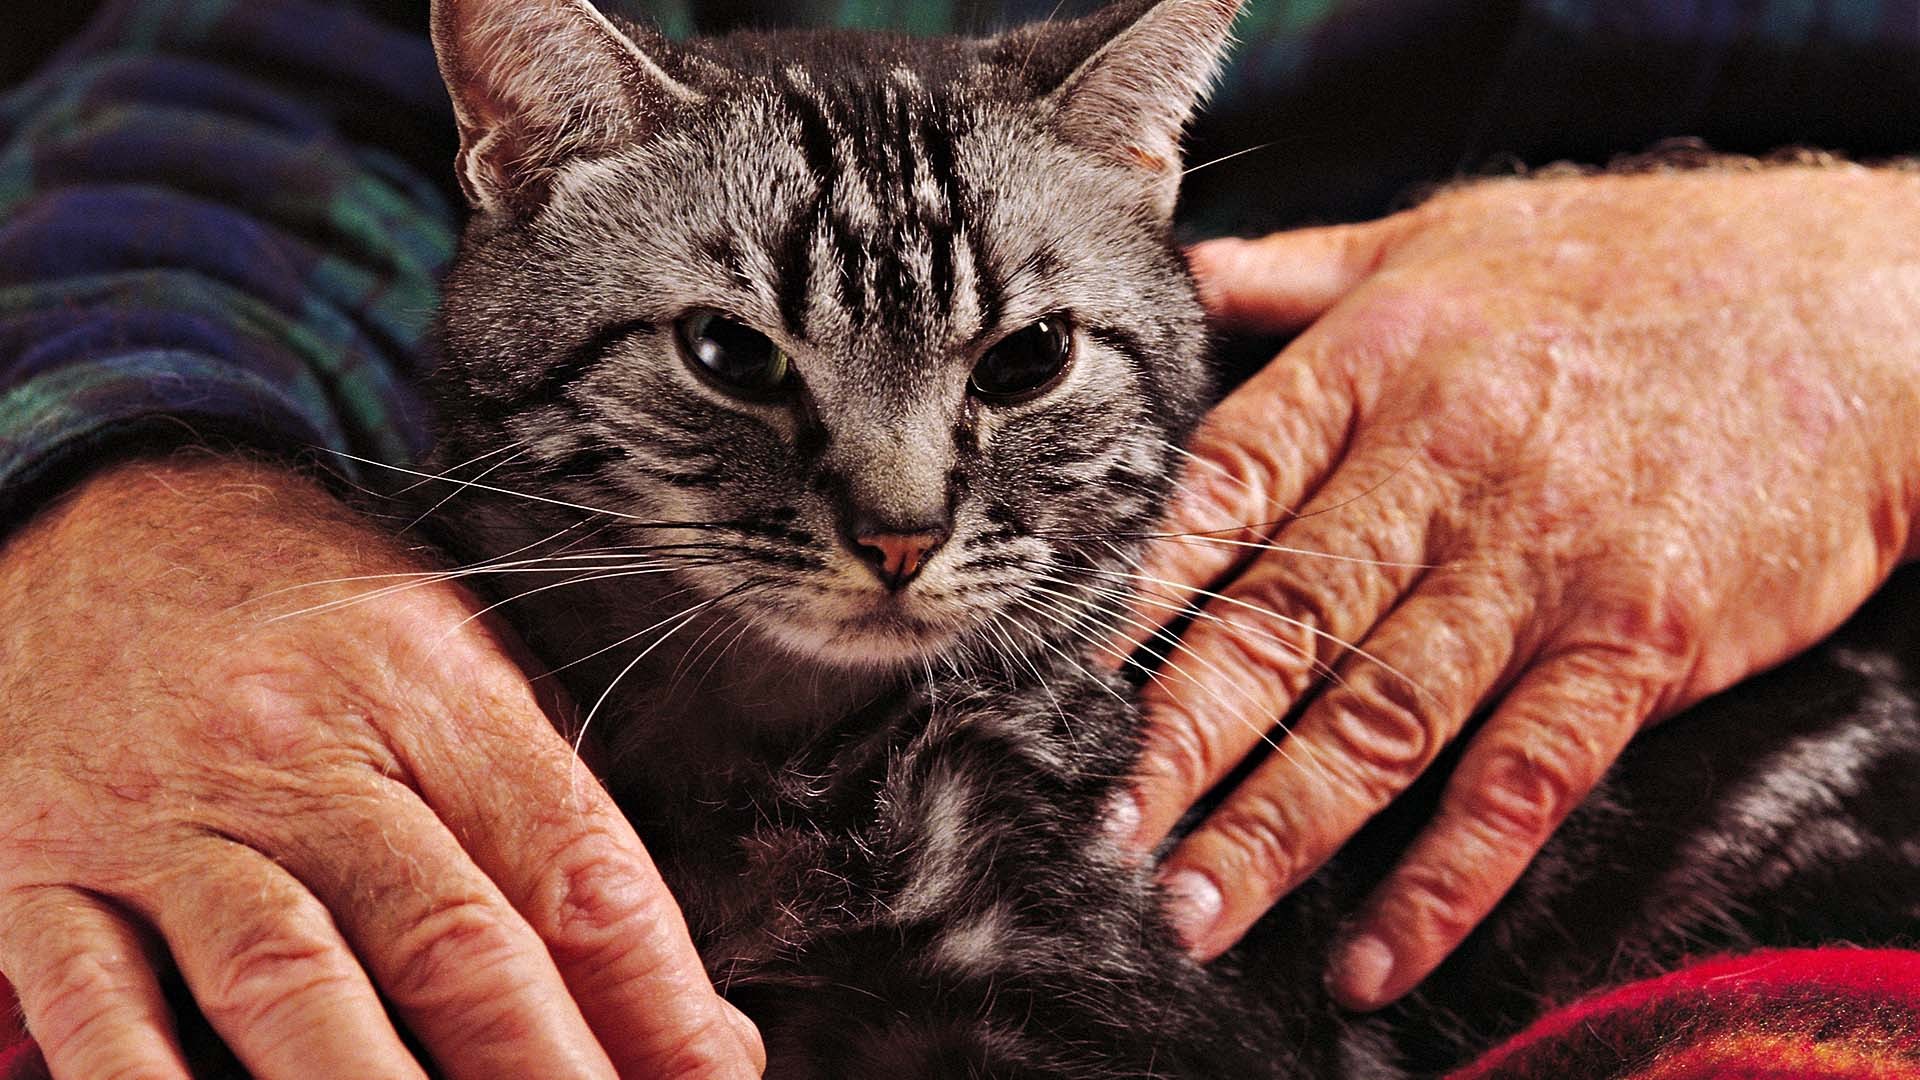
{"x":1582,"y":451}
{"x":304,"y":810}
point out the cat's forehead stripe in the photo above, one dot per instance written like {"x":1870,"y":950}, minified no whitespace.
{"x":888,"y":216}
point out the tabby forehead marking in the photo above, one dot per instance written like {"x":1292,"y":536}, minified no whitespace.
{"x":881,"y":232}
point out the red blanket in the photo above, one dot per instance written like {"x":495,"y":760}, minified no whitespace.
{"x":1827,"y":1014}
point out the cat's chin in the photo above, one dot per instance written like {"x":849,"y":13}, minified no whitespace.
{"x":878,"y":642}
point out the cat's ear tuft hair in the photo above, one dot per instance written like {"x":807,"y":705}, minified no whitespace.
{"x":1131,"y":100}
{"x":538,"y":83}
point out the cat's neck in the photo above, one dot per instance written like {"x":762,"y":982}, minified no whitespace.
{"x":713,"y":701}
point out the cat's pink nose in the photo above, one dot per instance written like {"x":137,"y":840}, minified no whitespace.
{"x":898,"y":557}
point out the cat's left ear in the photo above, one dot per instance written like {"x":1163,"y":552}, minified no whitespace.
{"x":1131,"y":100}
{"x":539,"y":83}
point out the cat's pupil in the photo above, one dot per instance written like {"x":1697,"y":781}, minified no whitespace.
{"x":1026,"y":363}
{"x":739,"y":358}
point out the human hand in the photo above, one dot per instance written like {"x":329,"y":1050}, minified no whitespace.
{"x":1582,"y":451}
{"x":307,"y":809}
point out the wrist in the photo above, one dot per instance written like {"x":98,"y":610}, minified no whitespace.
{"x":188,"y":520}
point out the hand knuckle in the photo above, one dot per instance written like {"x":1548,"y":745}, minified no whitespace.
{"x":694,"y":1054}
{"x":76,"y":1004}
{"x":1229,"y":476}
{"x":287,"y":714}
{"x":488,"y":1021}
{"x":273,"y":974}
{"x":1255,"y":831}
{"x":591,"y":890}
{"x":444,"y":946}
{"x":1525,"y":791}
{"x":1438,"y":900}
{"x":1385,"y":739}
{"x":1185,"y":751}
{"x":1276,"y":652}
{"x":1638,"y":615}
{"x":1292,"y":615}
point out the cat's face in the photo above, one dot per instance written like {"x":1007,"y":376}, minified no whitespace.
{"x":894,"y":328}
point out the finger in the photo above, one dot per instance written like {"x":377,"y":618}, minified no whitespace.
{"x":1272,"y":634}
{"x":269,"y":969}
{"x":460,"y":965}
{"x":1355,"y":749}
{"x":571,"y":864}
{"x":1288,"y":279}
{"x":1538,"y":757}
{"x":1259,"y":455}
{"x":86,"y":986}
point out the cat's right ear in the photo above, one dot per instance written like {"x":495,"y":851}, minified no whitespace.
{"x":1131,"y":98}
{"x":539,"y":83}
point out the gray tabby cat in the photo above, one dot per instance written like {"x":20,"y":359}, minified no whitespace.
{"x":845,"y":369}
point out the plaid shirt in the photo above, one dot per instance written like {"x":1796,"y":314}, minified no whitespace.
{"x":230,"y":216}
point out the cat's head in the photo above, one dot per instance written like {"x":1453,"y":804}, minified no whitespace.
{"x":895,"y":327}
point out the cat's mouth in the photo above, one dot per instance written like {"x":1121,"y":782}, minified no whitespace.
{"x":873,"y":630}
{"x":896,"y":626}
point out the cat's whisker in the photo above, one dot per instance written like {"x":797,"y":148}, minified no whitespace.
{"x":604,"y":649}
{"x":1291,"y":515}
{"x":1062,"y":653}
{"x":1229,"y":157}
{"x":518,"y":566}
{"x":1023,"y":657}
{"x":633,"y":520}
{"x":415,"y":574}
{"x":1224,"y":473}
{"x":1005,"y":651}
{"x":1217,"y":537}
{"x":447,"y":473}
{"x":1086,"y":630}
{"x":746,"y":626}
{"x":1279,"y":746}
{"x":1300,"y":624}
{"x":1178,"y":609}
{"x":703,"y":643}
{"x":542,"y":565}
{"x":684,"y":617}
{"x":1039,"y":39}
{"x":462,"y":486}
{"x":597,"y":574}
{"x":599,"y":528}
{"x":1095,"y":635}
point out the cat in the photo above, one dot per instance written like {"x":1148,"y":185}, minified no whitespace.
{"x":845,"y":369}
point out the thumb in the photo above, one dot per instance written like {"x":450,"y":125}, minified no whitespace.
{"x":1289,"y":279}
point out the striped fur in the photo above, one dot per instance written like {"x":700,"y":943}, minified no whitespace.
{"x":879,"y":810}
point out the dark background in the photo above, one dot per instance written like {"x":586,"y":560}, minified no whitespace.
{"x":1395,"y":95}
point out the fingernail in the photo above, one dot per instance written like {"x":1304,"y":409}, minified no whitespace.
{"x":1193,"y":905}
{"x":1124,"y":815}
{"x":1359,"y":972}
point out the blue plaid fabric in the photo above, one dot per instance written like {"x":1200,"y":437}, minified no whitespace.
{"x":198,"y":234}
{"x":216,"y":216}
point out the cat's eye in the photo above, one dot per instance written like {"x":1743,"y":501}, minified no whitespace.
{"x":740,"y":359}
{"x":1025,"y":364}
